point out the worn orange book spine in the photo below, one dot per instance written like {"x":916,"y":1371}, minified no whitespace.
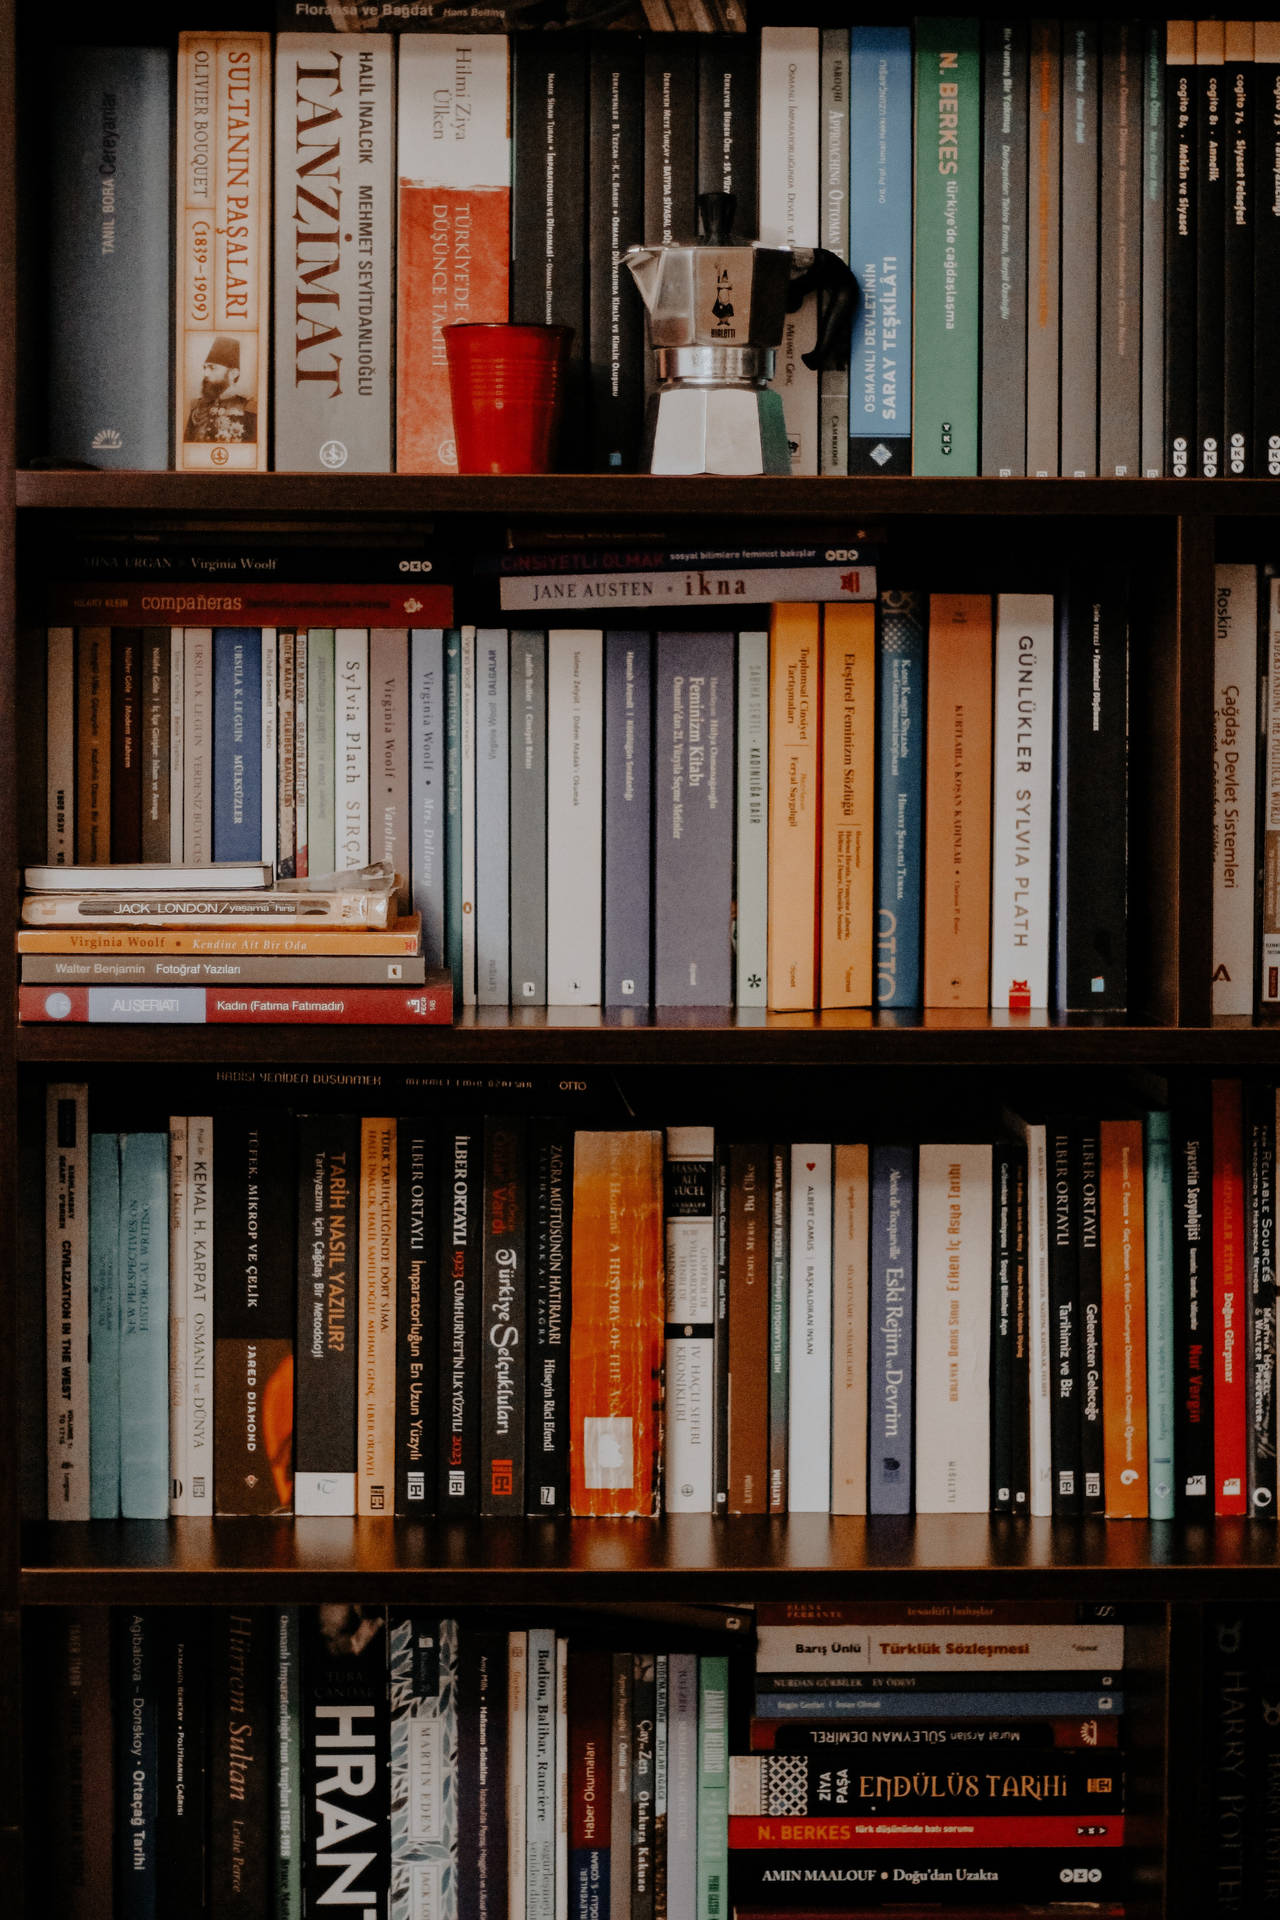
{"x":957,"y":820}
{"x":795,"y":719}
{"x":848,"y":804}
{"x":1124,"y":1321}
{"x":617,"y":1295}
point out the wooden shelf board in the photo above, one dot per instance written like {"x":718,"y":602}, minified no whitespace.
{"x":684,"y":1557}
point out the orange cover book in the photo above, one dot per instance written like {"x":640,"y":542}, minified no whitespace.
{"x":957,"y":819}
{"x":454,"y":224}
{"x":795,"y":716}
{"x":376,"y":1404}
{"x":1124,"y":1321}
{"x":405,"y":937}
{"x":617,"y":1294}
{"x":848,"y":804}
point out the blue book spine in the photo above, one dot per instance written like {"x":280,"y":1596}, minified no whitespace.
{"x":143,"y":1264}
{"x":1158,"y":1204}
{"x":453,"y":806}
{"x":693,"y":820}
{"x":426,"y":787}
{"x":891,"y":1443}
{"x":628,"y":851}
{"x":237,"y":743}
{"x":110,"y":218}
{"x":900,"y":747}
{"x":820,"y":1705}
{"x":751,"y":918}
{"x":104,"y":1326}
{"x":493,"y":818}
{"x":528,"y":818}
{"x":880,"y":249}
{"x":136,"y":1738}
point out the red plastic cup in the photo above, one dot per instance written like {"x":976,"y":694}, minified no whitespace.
{"x":506,"y":384}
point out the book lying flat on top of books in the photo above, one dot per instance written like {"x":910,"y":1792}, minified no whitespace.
{"x":133,"y":878}
{"x":401,"y":937}
{"x":364,"y":896}
{"x":431,"y":1005}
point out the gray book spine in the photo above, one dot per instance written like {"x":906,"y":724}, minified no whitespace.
{"x":1120,"y":263}
{"x":111,"y":216}
{"x":321,"y":771}
{"x":334,"y":239}
{"x":1078,"y":453}
{"x":155,"y":743}
{"x":833,"y":381}
{"x":223,"y":969}
{"x":1153,"y":136}
{"x":528,"y":702}
{"x":389,"y":752}
{"x":493,"y":820}
{"x":751,"y":924}
{"x":1043,"y":241}
{"x":426,"y":786}
{"x":693,"y":819}
{"x":1004,"y":249}
{"x":627,"y":817}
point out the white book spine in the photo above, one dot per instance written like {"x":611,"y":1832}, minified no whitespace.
{"x":199,"y":1362}
{"x":60,"y":737}
{"x":517,"y":1769}
{"x":67,"y":1300}
{"x":540,"y":1761}
{"x":1235,"y":744}
{"x":197,"y":742}
{"x":575,"y":815}
{"x":953,"y":1329}
{"x":1039,"y":1326}
{"x":493,"y":819}
{"x":270,"y":746}
{"x":301,"y":859}
{"x":790,"y":122}
{"x":426,"y":786}
{"x":1022,"y":802}
{"x":562,"y":1778}
{"x":751,"y":935}
{"x":467,"y":761}
{"x":351,"y":770}
{"x":809,"y":1384}
{"x":177,"y":714}
{"x":850,"y":1286}
{"x":691,"y":1309}
{"x":388,"y":750}
{"x":179,"y":1314}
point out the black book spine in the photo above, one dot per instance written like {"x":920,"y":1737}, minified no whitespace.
{"x":254,"y":1211}
{"x":1211,"y":220}
{"x":779,"y":1273}
{"x":1193,"y":1311}
{"x":504,"y":1324}
{"x":183,"y":1737}
{"x":615,"y":311}
{"x":155,"y":744}
{"x":126,"y":744}
{"x":1004,"y":247}
{"x":1001,"y":1495}
{"x":1093,"y":786}
{"x":550,"y":1239}
{"x":417,"y":1318}
{"x":643,"y":1704}
{"x":241,"y":1723}
{"x":728,"y":129}
{"x":461,"y":1190}
{"x":548,"y":205}
{"x":1063,"y":1319}
{"x":670,"y":148}
{"x":1262,"y":1760}
{"x":1266,"y":248}
{"x":1225,"y":1836}
{"x":135,"y":1672}
{"x":328,"y":1313}
{"x":482,"y":1774}
{"x":1021,"y":1396}
{"x":720,"y":1338}
{"x":1180,"y":251}
{"x":1239,"y":169}
{"x":1120,"y":255}
{"x":1078,"y":448}
{"x":1087,"y":1165}
{"x":346,"y":1761}
{"x":1260,"y":1269}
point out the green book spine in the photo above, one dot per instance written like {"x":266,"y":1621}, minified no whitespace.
{"x":453,"y":806}
{"x":713,"y":1787}
{"x":321,"y":774}
{"x":1158,"y":1203}
{"x":143,"y":1278}
{"x":947,"y":267}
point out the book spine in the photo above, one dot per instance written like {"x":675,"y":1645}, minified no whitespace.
{"x":423,"y":1687}
{"x":236,"y":1006}
{"x":461,"y":1194}
{"x":748,"y":1225}
{"x":346,"y":1755}
{"x":1151,"y":54}
{"x":621,"y":1682}
{"x":728,"y":75}
{"x":284,"y":774}
{"x":590,"y":1784}
{"x":1003,"y":1231}
{"x":321,"y":771}
{"x":254,"y":1293}
{"x":493,"y":818}
{"x":689,"y":1205}
{"x":713,"y":1783}
{"x":93,"y":745}
{"x":376,"y":1349}
{"x":539,"y":1848}
{"x":453,"y":915}
{"x":947,"y":262}
{"x":953,"y":1341}
{"x":1260,"y":1276}
{"x":1235,"y":730}
{"x":270,"y":747}
{"x":628,"y":824}
{"x":504,"y":1335}
{"x":482,"y":1773}
{"x":179,"y":1317}
{"x":1004,"y":248}
{"x":615,"y":207}
{"x":467,"y":805}
{"x":809,"y":1392}
{"x":517,"y":1769}
{"x":644,"y":1686}
{"x":795,"y":719}
{"x":890,"y":1368}
{"x":1158,"y":1216}
{"x":1005,"y":1874}
{"x":899,"y":800}
{"x":1181,"y":276}
{"x":1211,"y":206}
{"x":880,"y":249}
{"x":1064,"y":1318}
{"x":143,"y":1280}
{"x":1089,"y":1308}
{"x":60,"y":746}
{"x":328,"y":1148}
{"x":287,"y":1772}
{"x":764,"y":1784}
{"x":135,"y":1679}
{"x":847,"y":806}
{"x":1021,"y":1736}
{"x":1267,"y":825}
{"x":790,"y":111}
{"x":351,"y":747}
{"x":417,"y":1317}
{"x":849,"y":1318}
{"x":957,"y":802}
{"x":388,"y":752}
{"x":979,"y":1704}
{"x":682,"y":1784}
{"x":693,"y":820}
{"x":455,"y":199}
{"x":426,"y":787}
{"x":720,"y":1340}
{"x":222,"y":257}
{"x":1036,"y":1369}
{"x":237,"y":743}
{"x":529,"y":818}
{"x":1082,"y":210}
{"x":1022,"y":800}
{"x":751,"y":860}
{"x":197,"y":746}
{"x":126,"y":744}
{"x":182,"y":1746}
{"x":1193,"y":1302}
{"x":335,"y":150}
{"x":1124,"y":1319}
{"x":575,"y":710}
{"x":1266,"y":246}
{"x":779,"y":1323}
{"x":549,"y":206}
{"x":833,"y":234}
{"x":1044,"y":279}
{"x":1230,"y":1344}
{"x":550,"y":1242}
{"x":242,"y":1725}
{"x":1091,"y":866}
{"x":71,"y":1311}
{"x":1239,"y":171}
{"x":199,"y":1367}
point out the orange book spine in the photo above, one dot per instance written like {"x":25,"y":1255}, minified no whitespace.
{"x":795,"y":717}
{"x":1124,"y":1321}
{"x":848,"y":804}
{"x":957,"y":827}
{"x":405,"y":938}
{"x":376,"y":1403}
{"x":93,"y":745}
{"x":849,"y":1306}
{"x":617,"y":1291}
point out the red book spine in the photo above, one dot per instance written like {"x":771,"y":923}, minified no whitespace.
{"x":413,"y":602}
{"x":179,"y":1006}
{"x":1082,"y":1832}
{"x":795,"y":1736}
{"x":1229,"y":1304}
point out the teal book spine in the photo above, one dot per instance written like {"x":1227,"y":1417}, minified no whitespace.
{"x":946,"y":275}
{"x":143,"y":1277}
{"x":880,"y":249}
{"x":453,"y":807}
{"x":713,"y":1787}
{"x":1158,"y":1202}
{"x":321,"y":776}
{"x":900,"y":746}
{"x":104,"y":1326}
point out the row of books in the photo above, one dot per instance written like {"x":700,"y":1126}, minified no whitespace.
{"x":920,"y":802}
{"x":254,"y":1312}
{"x":276,"y":1762}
